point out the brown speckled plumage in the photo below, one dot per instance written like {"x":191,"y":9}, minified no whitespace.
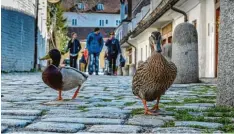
{"x":153,"y":77}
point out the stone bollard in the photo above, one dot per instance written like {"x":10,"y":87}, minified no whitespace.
{"x":126,"y":70}
{"x":185,"y":53}
{"x":132,"y":69}
{"x":119,"y":71}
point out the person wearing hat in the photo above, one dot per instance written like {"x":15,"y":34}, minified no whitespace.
{"x":94,"y":45}
{"x":113,"y":50}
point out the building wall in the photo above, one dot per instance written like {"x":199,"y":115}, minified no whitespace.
{"x":18,"y":26}
{"x":18,"y":38}
{"x":92,"y":19}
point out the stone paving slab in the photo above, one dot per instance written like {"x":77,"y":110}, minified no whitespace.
{"x":28,"y":112}
{"x":34,"y":132}
{"x":177,"y":130}
{"x":196,"y":123}
{"x":143,"y":120}
{"x":200,"y":104}
{"x":56,"y":127}
{"x":19,"y":117}
{"x":187,"y":107}
{"x":88,"y":121}
{"x":15,"y":122}
{"x":92,"y":133}
{"x":93,"y":114}
{"x":109,"y":109}
{"x":115,"y":129}
{"x":3,"y":128}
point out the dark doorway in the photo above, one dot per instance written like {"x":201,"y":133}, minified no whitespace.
{"x":217,"y":5}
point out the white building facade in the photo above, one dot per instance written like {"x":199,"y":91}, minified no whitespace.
{"x":204,"y":14}
{"x":92,"y":19}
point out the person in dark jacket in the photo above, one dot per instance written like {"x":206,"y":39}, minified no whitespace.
{"x":94,"y":45}
{"x":75,"y":47}
{"x":113,"y":50}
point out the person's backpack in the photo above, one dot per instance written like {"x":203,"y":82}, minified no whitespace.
{"x":122,"y":61}
{"x":114,"y":49}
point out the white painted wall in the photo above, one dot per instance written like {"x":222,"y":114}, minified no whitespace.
{"x":92,"y":19}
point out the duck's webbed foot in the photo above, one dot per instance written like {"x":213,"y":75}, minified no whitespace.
{"x":60,"y":96}
{"x":156,"y":106}
{"x":147,"y":111}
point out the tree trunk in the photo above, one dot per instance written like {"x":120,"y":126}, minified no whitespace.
{"x":225,"y":95}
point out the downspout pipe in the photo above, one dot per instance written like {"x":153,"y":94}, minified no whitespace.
{"x":182,"y":12}
{"x":135,"y":51}
{"x":36,"y":32}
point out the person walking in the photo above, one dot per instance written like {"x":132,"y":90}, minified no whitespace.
{"x":82,"y":62}
{"x":86,"y":58}
{"x":94,"y":45}
{"x":113,"y":50}
{"x":75,"y":47}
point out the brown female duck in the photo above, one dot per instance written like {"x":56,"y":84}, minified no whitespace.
{"x":153,"y":77}
{"x":62,"y":78}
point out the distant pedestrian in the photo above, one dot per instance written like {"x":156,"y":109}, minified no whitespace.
{"x":86,"y":56}
{"x":94,"y":45}
{"x":113,"y":50}
{"x":83,"y":62}
{"x":75,"y":47}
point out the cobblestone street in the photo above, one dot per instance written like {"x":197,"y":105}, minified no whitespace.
{"x":106,"y":104}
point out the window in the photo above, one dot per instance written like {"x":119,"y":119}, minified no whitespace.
{"x":101,"y":22}
{"x":80,"y":6}
{"x":74,"y":22}
{"x":100,"y":6}
{"x":106,"y":21}
{"x":118,"y":22}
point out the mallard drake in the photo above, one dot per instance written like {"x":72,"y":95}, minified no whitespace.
{"x":153,"y":77}
{"x":62,"y":78}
